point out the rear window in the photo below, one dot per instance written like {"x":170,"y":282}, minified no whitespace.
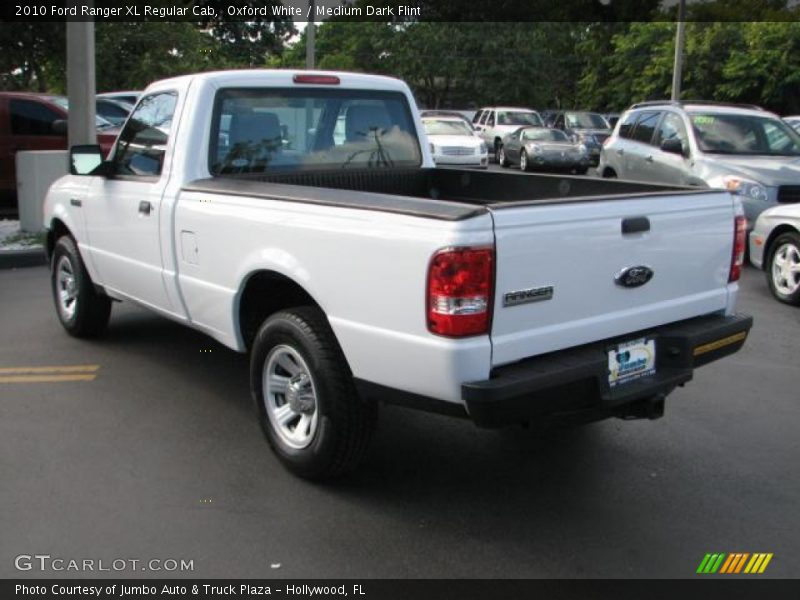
{"x":259,"y":130}
{"x":509,"y":117}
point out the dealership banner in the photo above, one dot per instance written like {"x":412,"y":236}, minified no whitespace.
{"x":208,"y":11}
{"x":368,"y":589}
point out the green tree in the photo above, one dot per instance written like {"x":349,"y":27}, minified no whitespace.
{"x":32,"y":54}
{"x":766,"y":69}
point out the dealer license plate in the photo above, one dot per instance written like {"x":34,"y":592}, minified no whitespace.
{"x":631,"y":360}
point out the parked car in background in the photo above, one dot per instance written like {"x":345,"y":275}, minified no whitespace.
{"x":548,"y":116}
{"x":794,"y":121}
{"x":454,"y":143}
{"x":742,"y":148}
{"x":589,"y":128}
{"x":457,"y":114}
{"x":612,"y":119}
{"x":542,"y":148}
{"x":34,"y":122}
{"x":128,"y":97}
{"x":494,"y":123}
{"x":110,"y":111}
{"x":113,"y":111}
{"x":775,"y":248}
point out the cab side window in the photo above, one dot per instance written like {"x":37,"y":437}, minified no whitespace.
{"x":490,"y":119}
{"x":31,"y":118}
{"x":143,"y":142}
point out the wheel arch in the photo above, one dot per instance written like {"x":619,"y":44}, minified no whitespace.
{"x":57,"y":229}
{"x":610,"y":172}
{"x":774,"y":235}
{"x":262,"y":293}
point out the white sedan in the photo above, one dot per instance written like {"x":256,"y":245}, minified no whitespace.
{"x":454,"y":143}
{"x":775,"y":248}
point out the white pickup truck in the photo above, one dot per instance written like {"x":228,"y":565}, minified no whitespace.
{"x":297,"y":216}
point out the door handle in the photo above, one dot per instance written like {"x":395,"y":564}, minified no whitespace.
{"x":620,"y":152}
{"x":649,"y":159}
{"x":145,"y":207}
{"x":635,"y":225}
{"x":75,"y":202}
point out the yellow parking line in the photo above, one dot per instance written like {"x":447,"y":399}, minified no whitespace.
{"x":45,"y":378}
{"x":54,"y":374}
{"x":56,"y":369}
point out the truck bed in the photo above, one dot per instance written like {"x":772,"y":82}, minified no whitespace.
{"x":456,"y":193}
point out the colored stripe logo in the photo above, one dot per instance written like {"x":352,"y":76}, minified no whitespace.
{"x":734,"y":563}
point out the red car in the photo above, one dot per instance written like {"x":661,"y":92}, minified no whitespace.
{"x":35,"y":122}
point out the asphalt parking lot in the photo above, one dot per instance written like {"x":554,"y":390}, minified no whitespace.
{"x":151,"y":450}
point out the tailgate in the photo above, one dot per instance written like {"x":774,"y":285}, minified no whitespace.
{"x":560,"y":268}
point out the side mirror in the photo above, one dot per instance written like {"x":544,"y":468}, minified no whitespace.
{"x":673,"y":146}
{"x":85,"y":159}
{"x":59,"y":127}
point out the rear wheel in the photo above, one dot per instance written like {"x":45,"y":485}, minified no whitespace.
{"x":581,"y":170}
{"x":783,"y":269}
{"x":609,"y":173}
{"x":308,"y":407}
{"x":82,"y":310}
{"x":498,"y":147}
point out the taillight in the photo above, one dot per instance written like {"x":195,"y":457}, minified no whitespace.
{"x":460,"y":286}
{"x":739,"y":240}
{"x":316,"y":79}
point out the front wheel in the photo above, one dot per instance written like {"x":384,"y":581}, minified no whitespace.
{"x":501,"y":157}
{"x":783,"y":269}
{"x":524,"y":165}
{"x":82,"y":310}
{"x":308,"y":407}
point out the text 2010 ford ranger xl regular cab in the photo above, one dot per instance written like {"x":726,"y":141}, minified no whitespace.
{"x":298,"y":216}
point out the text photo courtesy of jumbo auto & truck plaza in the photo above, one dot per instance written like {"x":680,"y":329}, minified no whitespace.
{"x":399,"y":299}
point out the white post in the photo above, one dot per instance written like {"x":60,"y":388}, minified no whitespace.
{"x":310,"y":36}
{"x":678,"y":64}
{"x":81,"y":82}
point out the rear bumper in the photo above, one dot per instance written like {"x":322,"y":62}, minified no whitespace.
{"x":573,"y":383}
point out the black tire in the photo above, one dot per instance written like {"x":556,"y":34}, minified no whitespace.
{"x":501,"y":157}
{"x":786,"y":242}
{"x":523,"y":160}
{"x":344,"y":422}
{"x":82,"y":310}
{"x":581,"y":170}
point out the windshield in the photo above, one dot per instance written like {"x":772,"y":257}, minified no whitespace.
{"x":544,"y":135}
{"x":508,"y":117}
{"x":586,"y":120}
{"x":442,"y":127}
{"x":256,"y":130}
{"x":744,"y":134}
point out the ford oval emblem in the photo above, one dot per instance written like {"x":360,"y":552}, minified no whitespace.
{"x":631,"y":277}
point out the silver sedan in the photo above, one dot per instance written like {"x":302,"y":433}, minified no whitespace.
{"x":775,"y":247}
{"x":541,"y":148}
